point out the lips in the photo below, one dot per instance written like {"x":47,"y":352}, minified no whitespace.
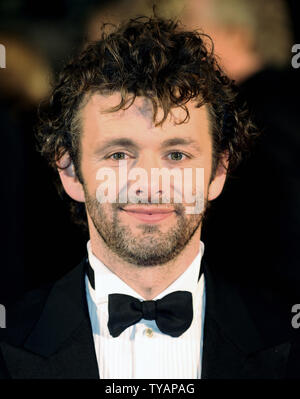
{"x":148,"y":209}
{"x":148,"y":214}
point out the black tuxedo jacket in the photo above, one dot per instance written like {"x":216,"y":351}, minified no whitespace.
{"x":49,"y":335}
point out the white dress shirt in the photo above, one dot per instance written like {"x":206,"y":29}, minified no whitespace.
{"x":142,"y":350}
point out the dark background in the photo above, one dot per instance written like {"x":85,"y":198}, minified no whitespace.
{"x":39,"y":243}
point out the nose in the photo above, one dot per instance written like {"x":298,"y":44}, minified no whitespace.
{"x":145,"y":189}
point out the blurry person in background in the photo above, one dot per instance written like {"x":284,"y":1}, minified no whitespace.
{"x":26,"y":79}
{"x":260,"y":204}
{"x":248,"y":36}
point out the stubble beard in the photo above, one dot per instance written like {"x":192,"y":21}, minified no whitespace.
{"x":151,"y":247}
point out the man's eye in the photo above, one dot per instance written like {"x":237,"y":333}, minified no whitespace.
{"x":118,"y":156}
{"x":176,"y":156}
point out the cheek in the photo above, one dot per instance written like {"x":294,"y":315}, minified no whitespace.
{"x":89,"y":175}
{"x":207,"y":177}
{"x":102,"y":213}
{"x":207,"y":172}
{"x":201,"y":178}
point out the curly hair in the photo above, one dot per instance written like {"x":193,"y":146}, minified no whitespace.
{"x":154,"y":58}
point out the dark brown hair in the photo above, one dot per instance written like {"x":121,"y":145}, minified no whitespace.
{"x":154,"y":58}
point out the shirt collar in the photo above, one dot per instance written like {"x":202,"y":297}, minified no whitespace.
{"x":107,"y":282}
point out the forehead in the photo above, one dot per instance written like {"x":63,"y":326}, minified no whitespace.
{"x":138,"y":118}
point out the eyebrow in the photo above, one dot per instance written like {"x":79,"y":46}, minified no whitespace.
{"x":123,"y":142}
{"x":181,"y":141}
{"x":126,"y":142}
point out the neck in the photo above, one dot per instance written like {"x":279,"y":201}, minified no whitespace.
{"x":148,"y":281}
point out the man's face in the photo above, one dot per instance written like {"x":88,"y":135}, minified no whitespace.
{"x":143,"y":233}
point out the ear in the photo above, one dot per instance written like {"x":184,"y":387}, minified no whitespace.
{"x":217,"y":184}
{"x":69,"y":180}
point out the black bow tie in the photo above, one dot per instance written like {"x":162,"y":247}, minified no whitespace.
{"x":173,"y":313}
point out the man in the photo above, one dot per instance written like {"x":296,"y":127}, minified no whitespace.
{"x":145,"y":97}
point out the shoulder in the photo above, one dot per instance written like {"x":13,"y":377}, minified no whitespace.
{"x":20,"y":317}
{"x":38,"y":315}
{"x":23,"y":313}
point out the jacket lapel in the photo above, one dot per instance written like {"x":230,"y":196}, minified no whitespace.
{"x":60,"y":343}
{"x":245,"y":336}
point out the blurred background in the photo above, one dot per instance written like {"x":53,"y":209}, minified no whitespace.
{"x":253,"y":231}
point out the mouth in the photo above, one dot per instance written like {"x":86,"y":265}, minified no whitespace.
{"x":148,"y":214}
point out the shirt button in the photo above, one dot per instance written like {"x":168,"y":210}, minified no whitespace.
{"x":149,"y":332}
